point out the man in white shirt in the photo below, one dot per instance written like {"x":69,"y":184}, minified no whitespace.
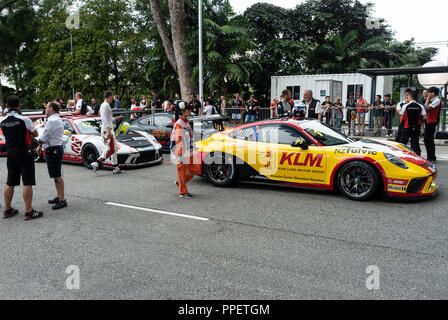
{"x":107,"y":132}
{"x":208,"y":109}
{"x":51,"y":142}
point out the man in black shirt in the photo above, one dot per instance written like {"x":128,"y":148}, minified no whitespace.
{"x":389,"y":113}
{"x":351,"y":114}
{"x":412,"y":121}
{"x":155,"y":102}
{"x":195,"y":104}
{"x":19,"y":131}
{"x":95,"y":107}
{"x":251,"y":107}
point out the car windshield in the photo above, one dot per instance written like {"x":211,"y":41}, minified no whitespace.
{"x":90,"y":127}
{"x":326,"y":135}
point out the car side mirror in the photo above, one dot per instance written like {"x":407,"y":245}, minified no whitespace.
{"x":300,"y":144}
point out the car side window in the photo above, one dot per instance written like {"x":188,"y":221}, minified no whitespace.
{"x":162,"y":121}
{"x":144,"y":121}
{"x":248,"y":134}
{"x":280,"y":134}
{"x":68,"y":126}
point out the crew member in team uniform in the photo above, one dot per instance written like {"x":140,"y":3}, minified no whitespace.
{"x":412,"y":114}
{"x":313,"y":106}
{"x":433,"y":105}
{"x":400,"y":106}
{"x":19,"y":132}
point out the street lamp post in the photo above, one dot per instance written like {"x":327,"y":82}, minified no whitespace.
{"x":201,"y":81}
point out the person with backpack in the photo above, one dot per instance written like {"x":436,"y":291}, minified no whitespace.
{"x":209,"y":108}
{"x":81,"y":107}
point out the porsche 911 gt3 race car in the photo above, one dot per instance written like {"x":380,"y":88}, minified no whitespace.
{"x":84,"y":144}
{"x":310,"y":154}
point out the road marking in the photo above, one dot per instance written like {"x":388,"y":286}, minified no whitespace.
{"x":158,"y":211}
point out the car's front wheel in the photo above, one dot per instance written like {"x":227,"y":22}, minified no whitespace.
{"x":89,"y":154}
{"x":220,"y":170}
{"x":357,"y":180}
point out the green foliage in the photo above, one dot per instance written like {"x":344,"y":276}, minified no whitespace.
{"x":118,"y":47}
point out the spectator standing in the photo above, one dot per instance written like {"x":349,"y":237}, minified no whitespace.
{"x":361,"y":109}
{"x":18,"y":131}
{"x":143,"y":103}
{"x":51,"y":142}
{"x":70,"y":105}
{"x":223,"y":105}
{"x":313,"y":106}
{"x":81,"y":107}
{"x":412,"y":120}
{"x":326,"y":107}
{"x":252,"y":107}
{"x":209,"y":108}
{"x":351,"y":114}
{"x":117,"y":103}
{"x":237,"y":107}
{"x":95,"y":107}
{"x":433,"y":106}
{"x":284,"y":106}
{"x":377,"y":113}
{"x":107,"y":132}
{"x":337,"y":114}
{"x":195,"y":104}
{"x":155,"y":102}
{"x":389,"y":113}
{"x":273,"y":108}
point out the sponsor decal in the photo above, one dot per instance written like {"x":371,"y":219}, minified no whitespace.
{"x":398,"y":182}
{"x":355,"y":151}
{"x":76,"y":145}
{"x":308,"y":160}
{"x":392,"y":187}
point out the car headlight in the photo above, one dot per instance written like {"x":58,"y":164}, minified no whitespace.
{"x":396,"y":161}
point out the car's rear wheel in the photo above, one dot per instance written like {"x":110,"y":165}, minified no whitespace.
{"x":89,"y":154}
{"x":220,"y":170}
{"x":357,"y":180}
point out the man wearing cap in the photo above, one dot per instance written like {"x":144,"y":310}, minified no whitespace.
{"x":51,"y":142}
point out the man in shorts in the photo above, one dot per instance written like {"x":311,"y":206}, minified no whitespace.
{"x":19,"y":131}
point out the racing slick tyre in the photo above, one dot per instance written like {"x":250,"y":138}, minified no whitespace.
{"x":220,"y":170}
{"x":89,"y":154}
{"x":357,"y":180}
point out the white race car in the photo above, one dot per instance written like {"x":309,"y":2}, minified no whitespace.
{"x":83,"y":144}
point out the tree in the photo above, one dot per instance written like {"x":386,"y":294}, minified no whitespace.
{"x":174,"y":45}
{"x":7,"y":4}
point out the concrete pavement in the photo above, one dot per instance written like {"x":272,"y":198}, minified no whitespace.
{"x":257,"y":242}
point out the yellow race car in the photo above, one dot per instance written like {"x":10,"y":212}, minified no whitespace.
{"x":309,"y":154}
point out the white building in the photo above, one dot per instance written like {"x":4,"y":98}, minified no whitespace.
{"x":333,"y":85}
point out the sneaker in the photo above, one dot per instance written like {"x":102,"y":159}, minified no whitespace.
{"x":186,"y":196}
{"x":54,"y":201}
{"x":10,"y":213}
{"x":95,"y":166}
{"x":60,"y":205}
{"x":117,"y":170}
{"x":33,"y":215}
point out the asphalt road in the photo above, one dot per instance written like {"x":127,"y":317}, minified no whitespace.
{"x":256,"y":242}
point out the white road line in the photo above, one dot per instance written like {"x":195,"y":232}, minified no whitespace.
{"x":158,"y":211}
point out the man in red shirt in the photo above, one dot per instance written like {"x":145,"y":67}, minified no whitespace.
{"x":412,"y":121}
{"x":432,"y":105}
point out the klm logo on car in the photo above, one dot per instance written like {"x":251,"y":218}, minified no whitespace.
{"x":310,"y":160}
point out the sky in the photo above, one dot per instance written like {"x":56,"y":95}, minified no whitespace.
{"x":409,"y":23}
